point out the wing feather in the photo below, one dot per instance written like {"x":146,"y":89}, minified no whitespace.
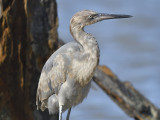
{"x":53,"y":74}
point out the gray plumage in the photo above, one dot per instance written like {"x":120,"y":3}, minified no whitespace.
{"x":65,"y":79}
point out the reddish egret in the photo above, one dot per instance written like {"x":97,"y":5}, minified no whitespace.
{"x":66,"y":76}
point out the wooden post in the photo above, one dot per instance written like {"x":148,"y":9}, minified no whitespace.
{"x":28,"y":36}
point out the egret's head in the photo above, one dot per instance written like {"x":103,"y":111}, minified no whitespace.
{"x":88,"y":17}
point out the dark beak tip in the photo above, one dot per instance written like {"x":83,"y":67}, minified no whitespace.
{"x":128,"y":16}
{"x":123,"y":16}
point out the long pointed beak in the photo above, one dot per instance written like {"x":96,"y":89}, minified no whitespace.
{"x":102,"y":16}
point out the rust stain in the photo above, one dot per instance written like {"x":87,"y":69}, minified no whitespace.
{"x":21,"y":67}
{"x":118,"y":98}
{"x":3,"y":47}
{"x":39,"y":62}
{"x":22,"y":83}
{"x":19,"y":52}
{"x":50,"y":44}
{"x":107,"y":71}
{"x":138,"y":117}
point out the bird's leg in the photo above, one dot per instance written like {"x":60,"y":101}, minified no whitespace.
{"x":60,"y":112}
{"x":68,"y":114}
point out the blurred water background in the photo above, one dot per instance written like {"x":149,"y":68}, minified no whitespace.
{"x":130,"y":47}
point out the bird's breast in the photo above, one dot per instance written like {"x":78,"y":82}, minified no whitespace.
{"x":83,"y":69}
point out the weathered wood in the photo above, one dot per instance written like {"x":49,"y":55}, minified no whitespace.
{"x":1,"y":8}
{"x":128,"y":98}
{"x":28,"y":36}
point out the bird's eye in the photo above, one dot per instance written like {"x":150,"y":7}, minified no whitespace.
{"x":90,"y":17}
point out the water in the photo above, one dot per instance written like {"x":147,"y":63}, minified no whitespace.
{"x":130,"y":47}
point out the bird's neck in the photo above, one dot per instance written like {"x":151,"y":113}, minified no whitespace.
{"x":86,"y":40}
{"x":89,"y":54}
